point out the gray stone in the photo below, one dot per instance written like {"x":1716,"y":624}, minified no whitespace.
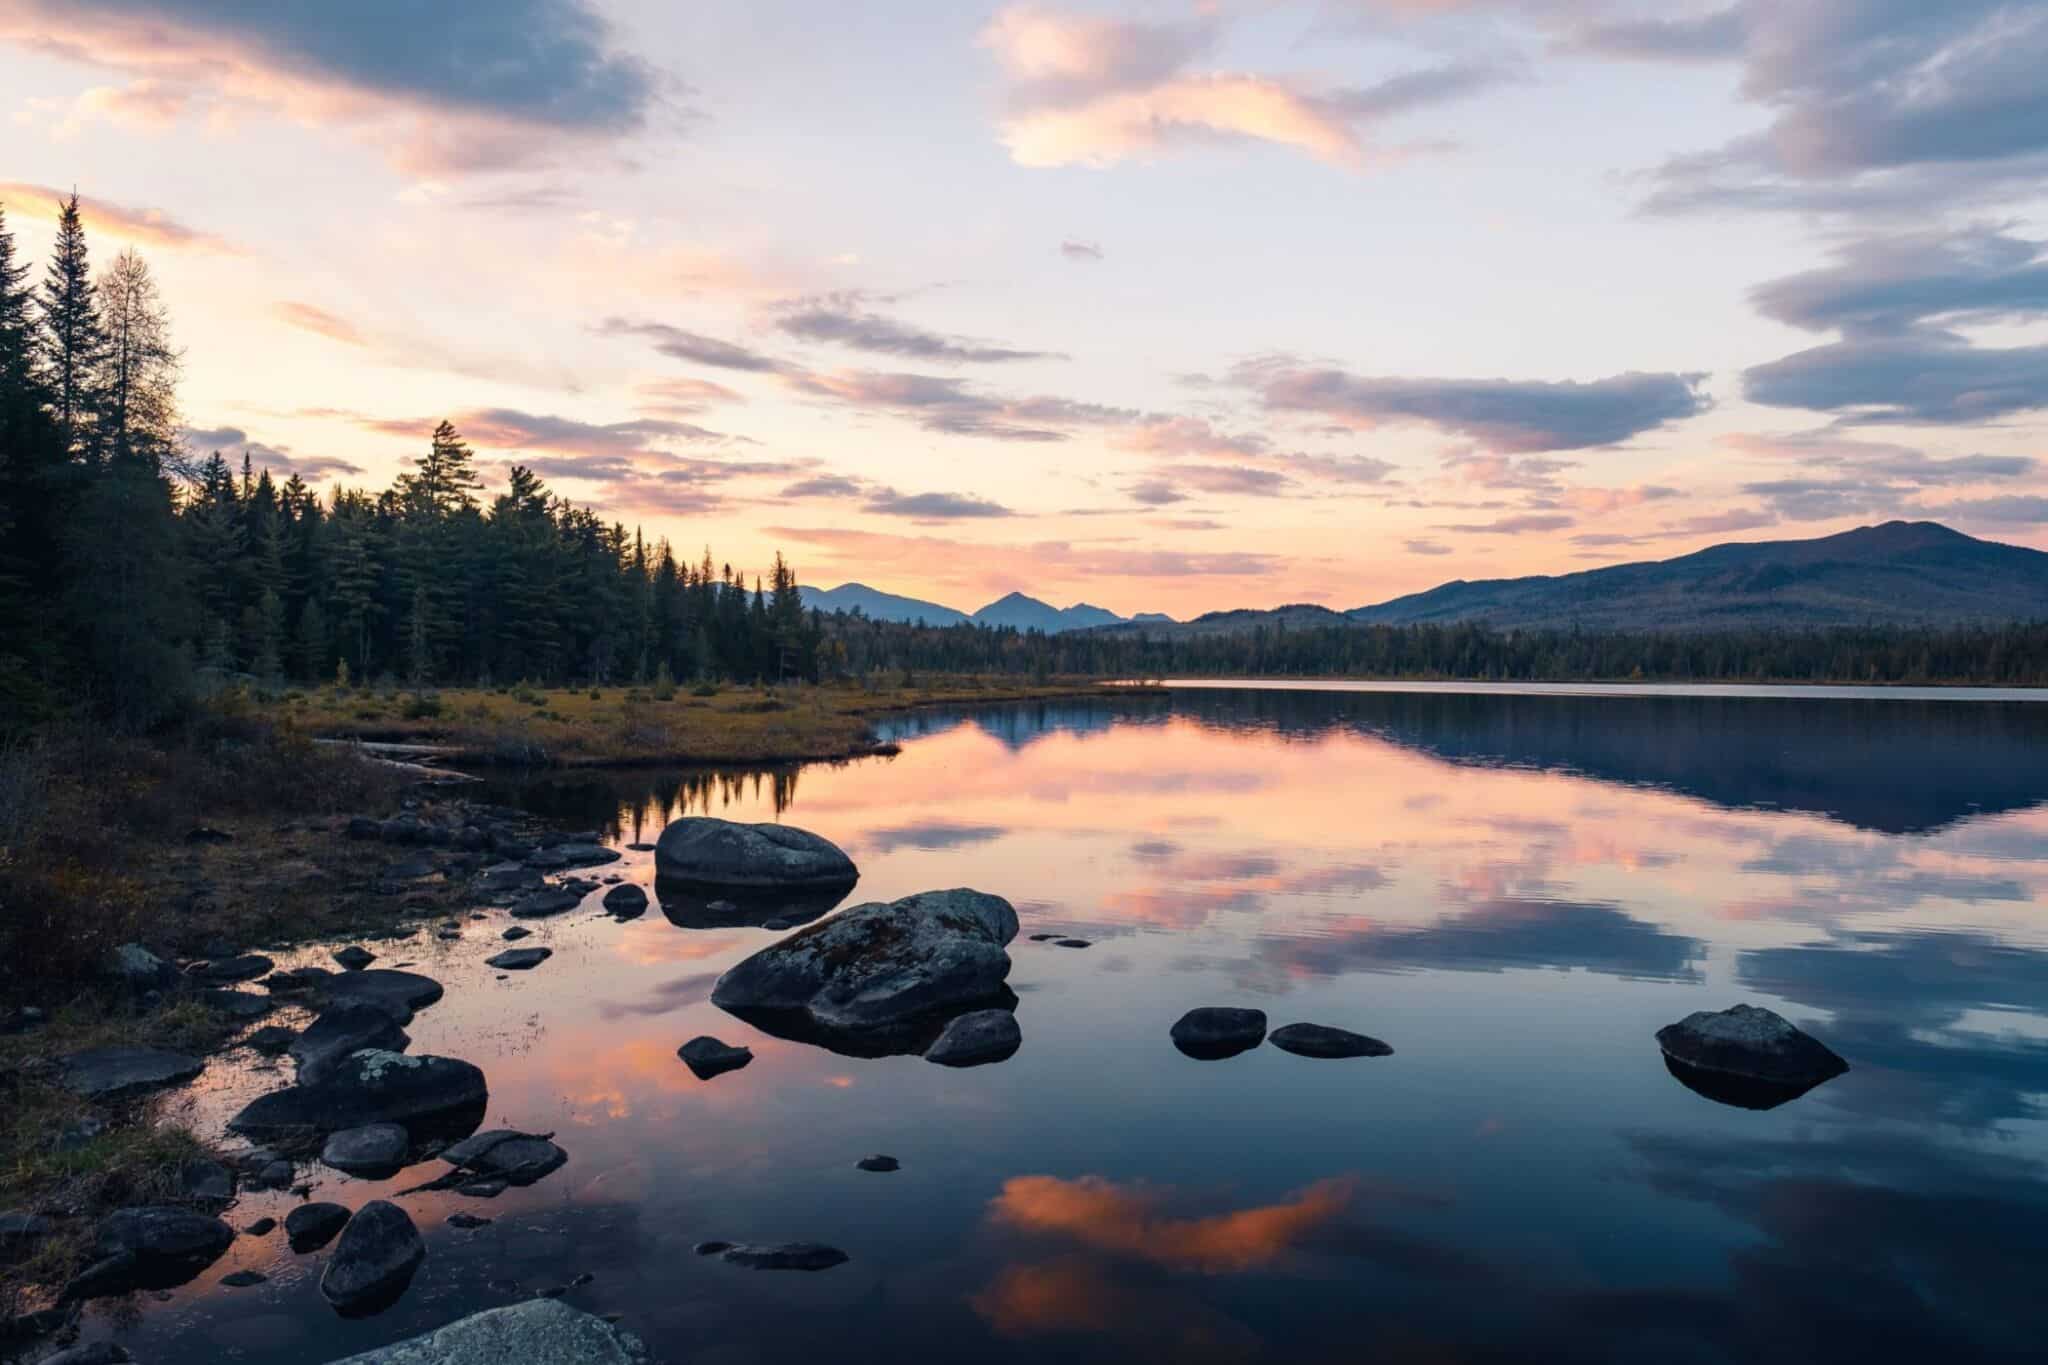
{"x":879,"y":1164}
{"x":1212,"y":1033}
{"x":515,"y":933}
{"x":375,"y":1259}
{"x":625,"y":900}
{"x":551,"y":900}
{"x":312,"y":1226}
{"x":341,"y":1031}
{"x":534,"y":1332}
{"x":1749,"y":1045}
{"x":370,"y":1086}
{"x":468,"y":1222}
{"x":397,"y":993}
{"x":296,"y":980}
{"x":519,"y":959}
{"x":206,"y":1181}
{"x":1320,"y":1040}
{"x":878,"y":965}
{"x":262,"y":1227}
{"x":354,"y":957}
{"x":113,"y":1073}
{"x":135,"y":967}
{"x":374,"y":1150}
{"x":272,"y":1040}
{"x":507,"y":1154}
{"x":151,"y":1247}
{"x":91,"y":1353}
{"x":246,"y":967}
{"x":786,"y":1256}
{"x":1070,"y":943}
{"x":707,"y":1057}
{"x":241,"y":1006}
{"x":976,"y":1039}
{"x":704,"y":851}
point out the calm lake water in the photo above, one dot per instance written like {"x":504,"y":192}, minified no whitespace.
{"x":1515,"y":891}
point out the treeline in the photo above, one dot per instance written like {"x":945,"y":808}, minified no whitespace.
{"x":130,"y":575}
{"x":1996,"y":655}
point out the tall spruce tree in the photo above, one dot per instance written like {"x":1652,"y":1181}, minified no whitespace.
{"x":72,"y":340}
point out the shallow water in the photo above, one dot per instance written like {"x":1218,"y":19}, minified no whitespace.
{"x":1516,"y":892}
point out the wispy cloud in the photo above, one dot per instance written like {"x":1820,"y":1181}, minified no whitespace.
{"x":842,"y":320}
{"x":142,"y":226}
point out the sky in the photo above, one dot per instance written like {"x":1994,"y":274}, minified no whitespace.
{"x":1162,"y":306}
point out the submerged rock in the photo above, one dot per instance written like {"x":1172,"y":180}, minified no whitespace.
{"x":114,"y":1073}
{"x":707,"y":1057}
{"x":374,"y":1150}
{"x":425,"y":1094}
{"x":1746,"y":1056}
{"x":541,"y":1331}
{"x":877,"y":966}
{"x":374,"y":1261}
{"x":397,"y":993}
{"x":312,"y":1226}
{"x":340,"y":1033}
{"x":519,"y":959}
{"x":705,"y":851}
{"x":150,"y":1247}
{"x":1320,"y":1040}
{"x":625,"y":901}
{"x":507,"y":1154}
{"x":976,"y":1039}
{"x":1215,"y":1032}
{"x":552,"y":900}
{"x":786,"y":1256}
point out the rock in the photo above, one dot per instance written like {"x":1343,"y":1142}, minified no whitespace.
{"x":426,"y":1094}
{"x":1070,"y":943}
{"x":397,"y":993}
{"x":1746,"y":1056}
{"x":20,"y":1231}
{"x":519,"y":959}
{"x":312,"y":1226}
{"x":375,"y":1150}
{"x":704,"y":851}
{"x":354,"y":958}
{"x":786,"y":1256}
{"x":272,"y":1040}
{"x":552,"y":900}
{"x":778,"y":924}
{"x":275,"y":1176}
{"x":241,"y":1006}
{"x":206,"y":1182}
{"x":535,"y":1332}
{"x":1320,"y":1040}
{"x":296,"y":980}
{"x":640,"y":848}
{"x":707,"y":1057}
{"x":262,"y":1227}
{"x":515,"y":933}
{"x":711,"y":1248}
{"x":587,"y":854}
{"x":80,"y":1133}
{"x":207,"y":834}
{"x":114,"y":1073}
{"x":625,"y":900}
{"x":135,"y":967}
{"x":363,"y":827}
{"x":976,"y":1039}
{"x":879,"y":1163}
{"x":1043,"y":938}
{"x":246,"y":967}
{"x":375,"y":1259}
{"x":243,"y":1279}
{"x":153,"y":1247}
{"x":876,"y":965}
{"x":466,"y":1221}
{"x":92,"y":1353}
{"x":343,"y":1030}
{"x":507,"y":1154}
{"x":547,"y":860}
{"x":1214,"y":1033}
{"x":448,"y":933}
{"x":503,"y":879}
{"x":483,"y":1189}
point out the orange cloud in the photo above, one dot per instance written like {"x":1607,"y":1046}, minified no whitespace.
{"x":142,"y":226}
{"x":318,"y":320}
{"x":1117,"y":127}
{"x":1124,"y":1219}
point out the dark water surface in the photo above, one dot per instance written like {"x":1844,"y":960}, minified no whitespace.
{"x":1515,"y":892}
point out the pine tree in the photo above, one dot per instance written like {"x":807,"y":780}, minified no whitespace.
{"x":137,"y":378}
{"x":72,"y":339}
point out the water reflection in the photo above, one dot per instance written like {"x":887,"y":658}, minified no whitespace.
{"x":1515,"y":893}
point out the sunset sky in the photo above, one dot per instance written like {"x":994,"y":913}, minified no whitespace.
{"x":1165,"y":306}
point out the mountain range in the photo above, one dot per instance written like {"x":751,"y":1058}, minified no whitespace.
{"x":1901,"y":573}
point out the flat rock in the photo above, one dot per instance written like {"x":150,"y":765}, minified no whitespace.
{"x":114,"y":1073}
{"x":1320,"y":1040}
{"x":708,"y":1057}
{"x":296,"y":980}
{"x":91,"y":1353}
{"x":551,"y":900}
{"x":876,"y":966}
{"x":241,"y":1006}
{"x":375,"y":1149}
{"x":245,"y":967}
{"x":397,"y":993}
{"x":879,"y":1164}
{"x":507,"y":1154}
{"x":272,"y":1040}
{"x":425,"y":1094}
{"x":515,"y":933}
{"x":586,"y":854}
{"x":243,"y":1279}
{"x":151,"y":1247}
{"x":640,"y":848}
{"x":705,"y":851}
{"x":519,"y":959}
{"x":341,"y":1031}
{"x":375,"y":1259}
{"x":534,"y":1332}
{"x":312,"y":1226}
{"x":976,"y":1039}
{"x":468,"y":1222}
{"x":354,"y":957}
{"x":1746,"y":1056}
{"x":786,"y":1256}
{"x":625,"y":900}
{"x":1214,"y":1032}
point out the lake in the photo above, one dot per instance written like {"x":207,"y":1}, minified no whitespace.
{"x":1514,"y":891}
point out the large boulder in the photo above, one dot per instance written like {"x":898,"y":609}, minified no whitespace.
{"x":536,"y":1332}
{"x":116,"y":1073}
{"x":1746,"y":1056}
{"x":703,"y":851}
{"x":341,"y":1032}
{"x":150,"y":1247}
{"x":427,"y":1095}
{"x":374,"y":1261}
{"x":878,"y":966}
